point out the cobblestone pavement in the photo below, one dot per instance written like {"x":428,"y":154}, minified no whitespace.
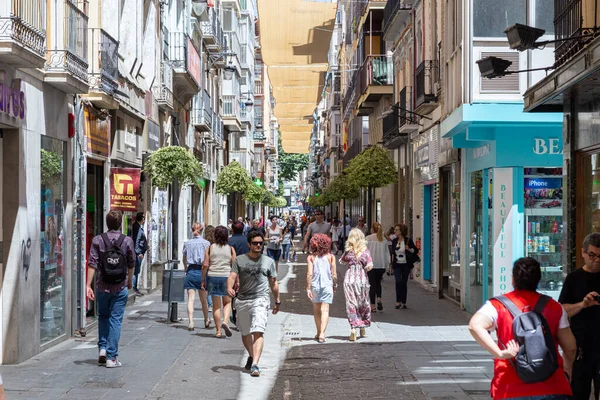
{"x":424,"y":352}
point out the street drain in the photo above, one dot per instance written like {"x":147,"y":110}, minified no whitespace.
{"x":305,"y":372}
{"x":104,"y":385}
{"x":292,"y":334}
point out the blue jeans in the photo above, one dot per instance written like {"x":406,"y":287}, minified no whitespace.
{"x":286,"y":251}
{"x":111,"y":307}
{"x":136,"y":272}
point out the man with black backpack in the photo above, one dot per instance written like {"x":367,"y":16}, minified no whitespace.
{"x":111,"y":261}
{"x":530,"y":327}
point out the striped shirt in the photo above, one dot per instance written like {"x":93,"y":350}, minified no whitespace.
{"x":98,"y":247}
{"x":195,"y":249}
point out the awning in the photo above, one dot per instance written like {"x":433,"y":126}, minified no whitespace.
{"x":294,"y":43}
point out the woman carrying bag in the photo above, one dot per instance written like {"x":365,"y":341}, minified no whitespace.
{"x":405,"y":257}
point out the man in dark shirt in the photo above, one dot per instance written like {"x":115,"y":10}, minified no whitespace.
{"x":579,"y":297}
{"x":238,"y":240}
{"x":110,"y":297}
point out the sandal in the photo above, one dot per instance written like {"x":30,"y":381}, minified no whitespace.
{"x":321,"y":339}
{"x":398,"y":305}
{"x":379,"y":305}
{"x":218,"y":335}
{"x":373,"y":310}
{"x":207,"y":323}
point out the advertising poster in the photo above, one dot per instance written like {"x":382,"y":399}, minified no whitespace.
{"x":124,"y":189}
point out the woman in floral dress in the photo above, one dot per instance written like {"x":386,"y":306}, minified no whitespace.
{"x":356,"y":282}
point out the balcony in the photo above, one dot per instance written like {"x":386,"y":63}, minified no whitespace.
{"x":233,"y":45}
{"x":353,"y":151}
{"x":185,"y":60}
{"x":395,"y":16}
{"x":66,"y":59}
{"x":427,"y":87}
{"x":163,"y":90}
{"x":22,"y":33}
{"x":217,"y":131}
{"x":399,"y":125}
{"x":349,"y":98}
{"x":230,"y":112}
{"x":259,"y":137}
{"x":376,"y":80}
{"x":103,"y":68}
{"x":572,"y":19}
{"x":212,"y":32}
{"x":202,"y":112}
{"x":235,"y":4}
{"x":246,"y":114}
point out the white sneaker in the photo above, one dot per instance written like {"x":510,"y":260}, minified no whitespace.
{"x":102,"y":357}
{"x":113,"y":363}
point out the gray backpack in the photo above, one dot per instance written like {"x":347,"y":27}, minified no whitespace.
{"x":537,"y":359}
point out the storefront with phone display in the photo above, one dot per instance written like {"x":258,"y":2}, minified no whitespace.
{"x":512,"y":182}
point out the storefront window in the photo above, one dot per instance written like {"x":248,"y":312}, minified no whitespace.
{"x":475,"y":269}
{"x":157,"y":235}
{"x":52,"y":236}
{"x":451,"y":231}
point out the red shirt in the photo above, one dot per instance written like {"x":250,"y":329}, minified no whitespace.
{"x":506,"y":382}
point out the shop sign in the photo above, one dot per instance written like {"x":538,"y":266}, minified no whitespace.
{"x":482,"y":151}
{"x":124,"y":188}
{"x":11,"y":97}
{"x":153,"y":135}
{"x":543,"y":183}
{"x":193,"y":61}
{"x":547,"y":146}
{"x":422,"y":155}
{"x":97,"y":134}
{"x":504,"y":215}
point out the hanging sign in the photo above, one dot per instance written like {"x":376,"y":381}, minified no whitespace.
{"x":124,"y":189}
{"x":504,"y":221}
{"x":97,"y":133}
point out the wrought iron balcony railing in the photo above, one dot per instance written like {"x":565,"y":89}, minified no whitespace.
{"x":426,"y":83}
{"x":202,"y":112}
{"x":103,"y":61}
{"x":212,"y":32}
{"x":376,"y":71}
{"x":230,"y":106}
{"x":163,"y":91}
{"x":391,"y":10}
{"x":217,"y":130}
{"x":68,"y":50}
{"x":573,"y":19}
{"x":25,"y":24}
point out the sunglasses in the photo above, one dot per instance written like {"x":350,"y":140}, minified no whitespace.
{"x":257,"y":243}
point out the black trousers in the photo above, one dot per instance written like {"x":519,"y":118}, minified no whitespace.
{"x":585,"y":371}
{"x":375,"y":276}
{"x":401,"y":273}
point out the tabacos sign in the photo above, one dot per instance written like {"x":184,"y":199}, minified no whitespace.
{"x":124,"y":188}
{"x":12,"y":100}
{"x":547,"y":146}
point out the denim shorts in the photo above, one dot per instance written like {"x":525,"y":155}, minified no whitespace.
{"x":193,"y":279}
{"x":274,"y":254}
{"x":323,"y":295}
{"x":216,"y":285}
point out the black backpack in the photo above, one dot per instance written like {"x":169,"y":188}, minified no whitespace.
{"x":537,"y":359}
{"x":113,"y":263}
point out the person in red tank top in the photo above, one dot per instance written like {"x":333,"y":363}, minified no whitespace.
{"x":506,"y":384}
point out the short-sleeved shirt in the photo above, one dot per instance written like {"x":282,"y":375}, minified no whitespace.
{"x":195,"y":249}
{"x":98,"y":247}
{"x":323,"y":228}
{"x":254,"y":276}
{"x":274,"y":236}
{"x":239,"y":243}
{"x":491,"y":312}
{"x":586,"y":324}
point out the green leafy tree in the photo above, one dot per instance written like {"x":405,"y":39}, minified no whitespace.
{"x":342,"y":188}
{"x":372,"y":168}
{"x":174,"y":162}
{"x":269,"y":199}
{"x":280,"y":202}
{"x":255,"y":194}
{"x":233,"y":179}
{"x":290,"y":164}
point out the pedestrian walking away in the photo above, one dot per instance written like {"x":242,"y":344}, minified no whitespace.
{"x":112,"y":262}
{"x":336,"y":234}
{"x":356,"y":283}
{"x":238,"y":240}
{"x":273,"y":239}
{"x":405,"y":256}
{"x":215,"y":270}
{"x":140,"y":248}
{"x":321,"y":281}
{"x":256,"y":274}
{"x":194,"y":251}
{"x":286,"y":243}
{"x":530,"y":327}
{"x":378,"y":247}
{"x":580,"y":296}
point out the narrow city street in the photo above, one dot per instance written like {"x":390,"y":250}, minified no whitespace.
{"x":423,"y":352}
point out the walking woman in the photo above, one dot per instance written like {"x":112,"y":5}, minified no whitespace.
{"x":378,"y":247}
{"x":321,"y":281}
{"x":286,"y":243}
{"x":405,"y":256}
{"x":194,"y":251}
{"x":356,"y":283}
{"x":273,"y":237}
{"x":215,"y":271}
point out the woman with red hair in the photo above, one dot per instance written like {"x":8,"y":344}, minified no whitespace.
{"x":321,"y":281}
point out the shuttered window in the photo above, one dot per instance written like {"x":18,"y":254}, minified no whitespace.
{"x":505,"y":84}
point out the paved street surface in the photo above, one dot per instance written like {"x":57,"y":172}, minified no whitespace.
{"x":423,"y":352}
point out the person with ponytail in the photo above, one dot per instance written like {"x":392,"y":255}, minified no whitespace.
{"x":378,"y":247}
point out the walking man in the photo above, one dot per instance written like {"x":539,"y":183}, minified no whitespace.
{"x":319,"y":226}
{"x":140,"y":247}
{"x":111,"y":261}
{"x":580,"y":296}
{"x":256,"y":274}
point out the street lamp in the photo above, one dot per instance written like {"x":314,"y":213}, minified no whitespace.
{"x":493,"y":67}
{"x":522,"y":37}
{"x":228,"y":71}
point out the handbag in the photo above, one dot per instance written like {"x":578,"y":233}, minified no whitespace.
{"x":412,"y":258}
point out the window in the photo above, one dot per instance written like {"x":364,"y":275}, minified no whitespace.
{"x":544,"y":16}
{"x":492,"y":17}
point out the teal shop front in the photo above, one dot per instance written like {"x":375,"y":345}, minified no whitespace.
{"x":512,"y":174}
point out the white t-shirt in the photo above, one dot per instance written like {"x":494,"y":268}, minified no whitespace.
{"x":336,"y":231}
{"x":490,"y":311}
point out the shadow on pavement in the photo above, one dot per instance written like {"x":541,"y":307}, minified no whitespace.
{"x":235,"y":368}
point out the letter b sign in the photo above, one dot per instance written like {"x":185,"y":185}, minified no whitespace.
{"x":547,"y":146}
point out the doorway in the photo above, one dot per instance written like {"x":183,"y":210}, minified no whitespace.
{"x":94,"y":218}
